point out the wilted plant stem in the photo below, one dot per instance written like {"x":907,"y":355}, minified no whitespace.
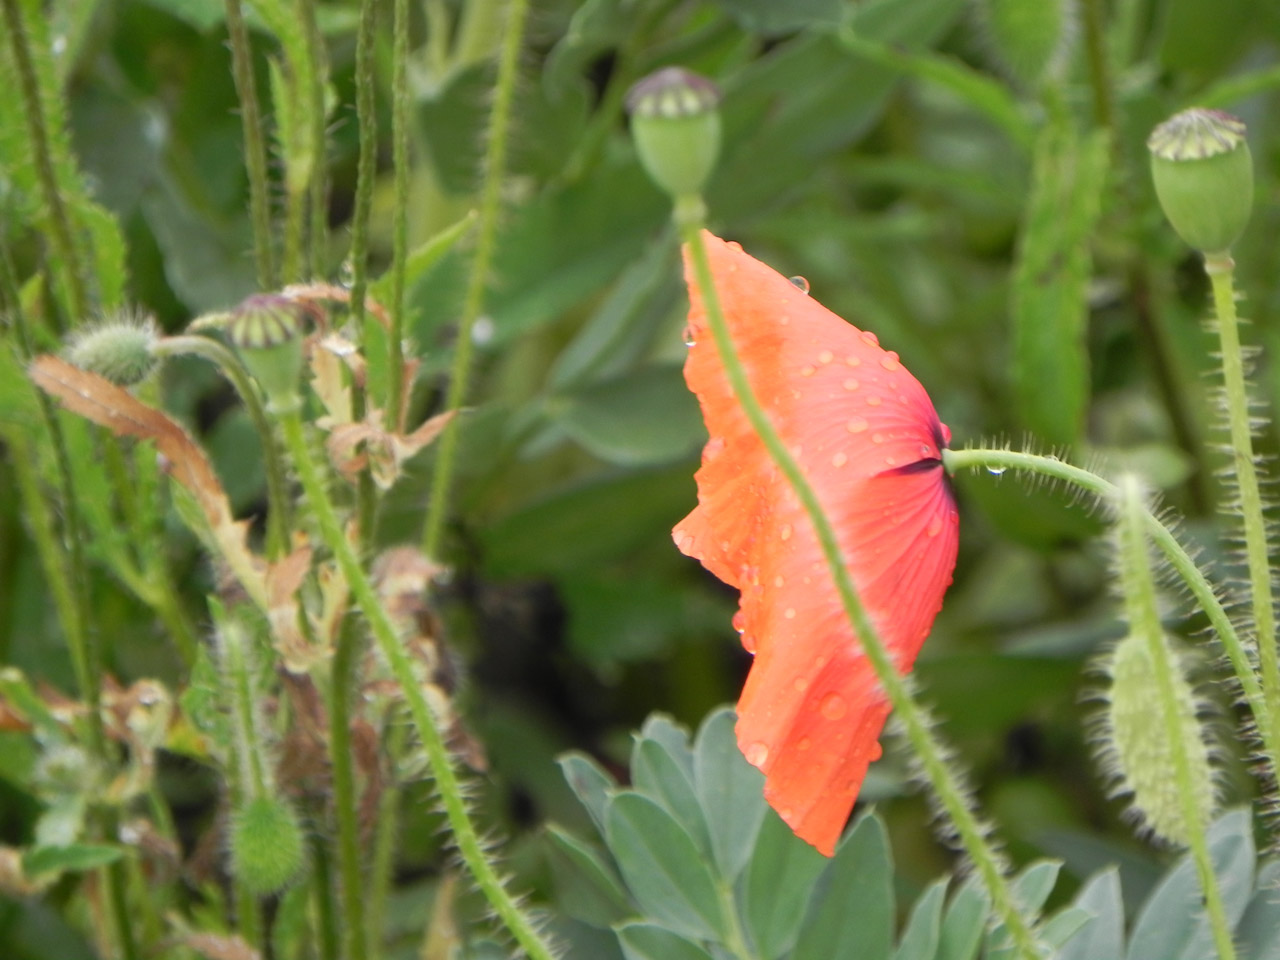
{"x":1177,"y":555}
{"x":1144,"y":618}
{"x":465,"y":837}
{"x":255,"y":149}
{"x":689,"y":215}
{"x":490,"y":201}
{"x":1221,"y":270}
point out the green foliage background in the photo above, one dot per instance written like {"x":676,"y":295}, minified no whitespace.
{"x":974,"y":193}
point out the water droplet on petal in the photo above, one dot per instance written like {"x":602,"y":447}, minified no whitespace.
{"x":804,"y":743}
{"x":852,"y":361}
{"x":935,"y":527}
{"x":877,"y":438}
{"x":801,"y":684}
{"x":785,"y":532}
{"x":689,"y":339}
{"x":890,"y":361}
{"x":790,"y":613}
{"x":826,"y":356}
{"x":877,"y":751}
{"x":801,"y":284}
{"x":807,"y":370}
{"x":851,"y":384}
{"x":840,"y":459}
{"x":856,"y":425}
{"x":996,"y":471}
{"x":873,"y":401}
{"x":890,"y":461}
{"x":740,"y":623}
{"x":870,"y":338}
{"x":834,"y":706}
{"x":713,"y":449}
{"x":778,"y":581}
{"x":757,"y":754}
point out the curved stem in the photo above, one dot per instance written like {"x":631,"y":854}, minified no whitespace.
{"x":1221,"y":270}
{"x":465,"y":837}
{"x":495,"y":164}
{"x":1175,"y":553}
{"x":1144,"y":617}
{"x":950,"y":794}
{"x":226,"y":361}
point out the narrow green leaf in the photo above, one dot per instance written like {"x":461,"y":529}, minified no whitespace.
{"x":851,"y":912}
{"x":423,"y":257}
{"x":731,"y":792}
{"x":1031,"y":888}
{"x":1172,"y":924}
{"x":674,"y":739}
{"x":1063,"y":925}
{"x":1050,"y":283}
{"x":780,"y":881}
{"x":770,"y":17}
{"x":1103,"y":936}
{"x":964,"y":923}
{"x":661,"y":776}
{"x":662,"y":866}
{"x":589,"y":782}
{"x":1258,"y":934}
{"x":75,"y":857}
{"x":587,"y":888}
{"x":924,"y":927}
{"x":647,"y":941}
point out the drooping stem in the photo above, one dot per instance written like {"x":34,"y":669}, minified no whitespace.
{"x":490,"y":199}
{"x":1205,"y":595}
{"x":945,"y":783}
{"x":1144,"y":618}
{"x":465,"y":837}
{"x":1221,"y":270}
{"x":40,"y":142}
{"x":255,"y":148}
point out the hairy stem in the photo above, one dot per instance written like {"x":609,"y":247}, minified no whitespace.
{"x":255,"y":148}
{"x":945,"y":783}
{"x":350,"y":862}
{"x":1140,"y":603}
{"x":490,"y":200}
{"x":465,"y":837}
{"x":1221,"y":270}
{"x":318,"y":211}
{"x":1203,"y":591}
{"x":400,"y":222}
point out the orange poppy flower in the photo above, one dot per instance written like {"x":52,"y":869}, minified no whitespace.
{"x":868,"y":439}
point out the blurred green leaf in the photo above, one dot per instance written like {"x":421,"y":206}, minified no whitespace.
{"x":731,"y":792}
{"x":770,"y":17}
{"x":779,"y":885}
{"x":647,"y":941}
{"x":964,"y":923}
{"x":920,"y":938}
{"x":1258,"y":935}
{"x":662,"y":866}
{"x":73,"y":858}
{"x":851,"y":913}
{"x":587,"y":888}
{"x":661,"y":777}
{"x":589,"y":783}
{"x":1050,"y":284}
{"x":1103,"y":936}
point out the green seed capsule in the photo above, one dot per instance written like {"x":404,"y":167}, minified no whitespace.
{"x":676,"y":127}
{"x":1203,"y":175}
{"x":266,"y":331}
{"x":266,"y":845}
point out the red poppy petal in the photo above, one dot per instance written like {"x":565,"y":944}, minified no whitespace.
{"x":868,"y":439}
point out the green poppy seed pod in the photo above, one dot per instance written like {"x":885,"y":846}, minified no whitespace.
{"x":266,"y":330}
{"x":1203,"y":175}
{"x":118,"y":350}
{"x":266,"y":845}
{"x":1139,"y":744}
{"x":676,"y":127}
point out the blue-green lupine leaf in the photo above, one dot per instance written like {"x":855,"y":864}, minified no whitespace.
{"x":1049,"y":289}
{"x":1030,"y":889}
{"x":590,"y":784}
{"x":1173,"y":924}
{"x":780,"y":881}
{"x":920,"y":938}
{"x":1258,"y":935}
{"x":964,"y":923}
{"x":662,"y":866}
{"x":1103,"y":936}
{"x":587,"y":888}
{"x":851,"y":912}
{"x":731,"y":792}
{"x":658,"y":773}
{"x":648,"y":941}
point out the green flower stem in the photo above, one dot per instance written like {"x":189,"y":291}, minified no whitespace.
{"x":235,"y":663}
{"x":388,"y":825}
{"x":464,"y":832}
{"x":490,"y":200}
{"x":400,"y":121}
{"x":1099,"y":63}
{"x":42,"y":147}
{"x":689,"y":214}
{"x":1221,"y":270}
{"x":318,"y":210}
{"x":366,"y":160}
{"x":350,"y":863}
{"x":225,"y":359}
{"x":1175,"y":553}
{"x":255,"y":150}
{"x":735,"y":940}
{"x":1140,"y":602}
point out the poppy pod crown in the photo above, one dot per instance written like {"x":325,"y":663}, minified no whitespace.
{"x":869,"y":441}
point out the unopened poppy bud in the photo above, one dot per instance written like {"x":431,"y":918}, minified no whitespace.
{"x":676,"y":126}
{"x":266,"y":331}
{"x":1203,"y":175}
{"x":118,"y":350}
{"x":266,"y":845}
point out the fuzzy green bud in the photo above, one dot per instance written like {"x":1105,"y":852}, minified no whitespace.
{"x":266,"y":845}
{"x":676,"y":127}
{"x":266,"y":330}
{"x":1203,"y":175}
{"x":118,"y":350}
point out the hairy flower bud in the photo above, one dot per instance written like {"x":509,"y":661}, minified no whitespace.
{"x":1203,"y":175}
{"x":676,"y":127}
{"x":118,"y":350}
{"x":266,"y":845}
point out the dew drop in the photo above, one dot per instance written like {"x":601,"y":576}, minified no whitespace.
{"x":840,"y":459}
{"x":995,"y":471}
{"x":935,"y":527}
{"x":801,"y":284}
{"x":877,"y":438}
{"x":483,"y":330}
{"x":778,"y":581}
{"x":807,"y":370}
{"x":790,"y":613}
{"x":834,"y":706}
{"x":801,"y":684}
{"x":873,"y":401}
{"x":877,"y":751}
{"x":870,"y":338}
{"x":785,"y":532}
{"x":826,"y":356}
{"x":851,"y":384}
{"x":804,"y":743}
{"x":713,"y":449}
{"x":856,"y":425}
{"x":734,"y":245}
{"x":740,"y":623}
{"x":890,"y":361}
{"x":689,"y":339}
{"x":926,"y":450}
{"x":852,"y":361}
{"x":757,"y":754}
{"x":890,"y":461}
